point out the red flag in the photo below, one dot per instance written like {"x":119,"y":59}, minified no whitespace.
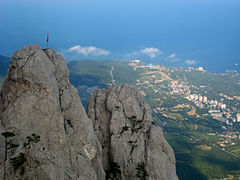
{"x":47,"y":37}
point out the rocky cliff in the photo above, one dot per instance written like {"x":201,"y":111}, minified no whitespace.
{"x":133,"y":148}
{"x":38,"y":102}
{"x":47,"y":135}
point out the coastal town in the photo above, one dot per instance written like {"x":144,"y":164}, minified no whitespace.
{"x":158,"y":79}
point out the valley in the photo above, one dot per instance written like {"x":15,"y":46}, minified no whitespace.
{"x":197,"y":110}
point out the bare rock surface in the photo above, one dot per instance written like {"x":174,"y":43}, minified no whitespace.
{"x":132,"y":147}
{"x":37,"y":99}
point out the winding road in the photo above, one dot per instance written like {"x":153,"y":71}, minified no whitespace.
{"x":111,"y":74}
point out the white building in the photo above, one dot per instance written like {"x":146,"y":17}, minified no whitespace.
{"x":205,"y":99}
{"x":196,"y":97}
{"x":200,"y":69}
{"x":214,"y":111}
{"x":223,"y":106}
{"x":238,"y":117}
{"x":136,"y":61}
{"x":191,"y":97}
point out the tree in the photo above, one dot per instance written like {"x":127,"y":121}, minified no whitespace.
{"x":8,"y":145}
{"x":17,"y":161}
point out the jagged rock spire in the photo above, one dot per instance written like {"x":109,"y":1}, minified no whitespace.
{"x":37,"y":98}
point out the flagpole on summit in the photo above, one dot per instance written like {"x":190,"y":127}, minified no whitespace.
{"x":47,"y":39}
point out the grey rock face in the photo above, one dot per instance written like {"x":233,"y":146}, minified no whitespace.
{"x":132,"y":146}
{"x":37,"y":98}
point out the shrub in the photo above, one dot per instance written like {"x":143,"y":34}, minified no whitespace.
{"x":141,"y":172}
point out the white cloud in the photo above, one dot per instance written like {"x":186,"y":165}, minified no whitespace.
{"x":89,"y":50}
{"x":172,"y":58}
{"x":133,"y":53}
{"x":151,"y":52}
{"x":190,"y":62}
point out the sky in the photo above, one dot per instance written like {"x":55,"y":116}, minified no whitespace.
{"x":171,"y":32}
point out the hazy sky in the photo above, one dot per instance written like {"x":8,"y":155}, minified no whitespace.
{"x":174,"y":32}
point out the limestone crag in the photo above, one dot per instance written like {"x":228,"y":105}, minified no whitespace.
{"x":37,"y":100}
{"x":47,"y":135}
{"x":132,"y":147}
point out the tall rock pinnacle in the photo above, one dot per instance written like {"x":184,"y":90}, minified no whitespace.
{"x":133,"y":148}
{"x":38,"y":102}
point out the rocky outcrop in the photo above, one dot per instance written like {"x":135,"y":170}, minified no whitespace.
{"x":132,"y":147}
{"x":38,"y":102}
{"x":47,"y":135}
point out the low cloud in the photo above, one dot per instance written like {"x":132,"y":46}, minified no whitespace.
{"x":172,"y":58}
{"x":190,"y":62}
{"x":89,"y":50}
{"x":150,"y":52}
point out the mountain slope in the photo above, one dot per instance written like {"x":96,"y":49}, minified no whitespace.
{"x":89,"y":75}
